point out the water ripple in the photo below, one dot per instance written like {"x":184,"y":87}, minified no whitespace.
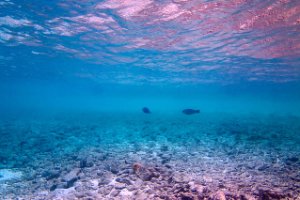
{"x":178,"y":41}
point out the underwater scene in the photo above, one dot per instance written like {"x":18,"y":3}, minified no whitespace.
{"x":150,"y":100}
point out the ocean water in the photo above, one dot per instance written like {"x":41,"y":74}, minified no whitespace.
{"x":76,"y":75}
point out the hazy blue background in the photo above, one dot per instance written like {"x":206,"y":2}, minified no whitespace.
{"x":60,"y":95}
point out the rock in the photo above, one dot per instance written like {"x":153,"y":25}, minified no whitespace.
{"x":125,"y":172}
{"x":246,"y":197}
{"x":113,"y":168}
{"x":106,"y":178}
{"x":124,"y":180}
{"x":262,"y":167}
{"x":219,"y":195}
{"x":266,"y":194}
{"x":186,"y":197}
{"x":131,"y":188}
{"x":105,"y":190}
{"x":138,"y":183}
{"x":119,"y":186}
{"x":199,"y":189}
{"x":125,"y":194}
{"x":146,"y":176}
{"x":92,"y":184}
{"x":8,"y":175}
{"x":53,"y":187}
{"x":71,"y":177}
{"x":141,"y":195}
{"x":180,"y":188}
{"x":179,"y":177}
{"x":291,"y":160}
{"x":79,"y":188}
{"x":80,"y":195}
{"x":164,"y":148}
{"x":114,"y":193}
{"x":142,"y":172}
{"x":165,"y":158}
{"x":250,"y":165}
{"x":51,"y":174}
{"x":61,"y":194}
{"x":86,"y":162}
{"x":168,"y":166}
{"x":207,"y":179}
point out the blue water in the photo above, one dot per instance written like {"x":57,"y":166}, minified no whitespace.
{"x":74,"y":95}
{"x":75,"y":75}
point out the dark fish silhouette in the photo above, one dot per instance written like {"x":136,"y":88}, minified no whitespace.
{"x":146,"y":110}
{"x":190,"y":111}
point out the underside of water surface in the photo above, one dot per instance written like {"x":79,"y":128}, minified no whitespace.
{"x":150,"y":100}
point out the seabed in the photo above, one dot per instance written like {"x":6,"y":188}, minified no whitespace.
{"x":138,"y":156}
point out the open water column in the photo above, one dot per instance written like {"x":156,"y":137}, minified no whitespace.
{"x":150,"y":100}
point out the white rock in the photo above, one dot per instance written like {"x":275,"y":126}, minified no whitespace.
{"x":8,"y":174}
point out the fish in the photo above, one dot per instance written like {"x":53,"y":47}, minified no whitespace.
{"x":146,"y":110}
{"x":190,"y":111}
